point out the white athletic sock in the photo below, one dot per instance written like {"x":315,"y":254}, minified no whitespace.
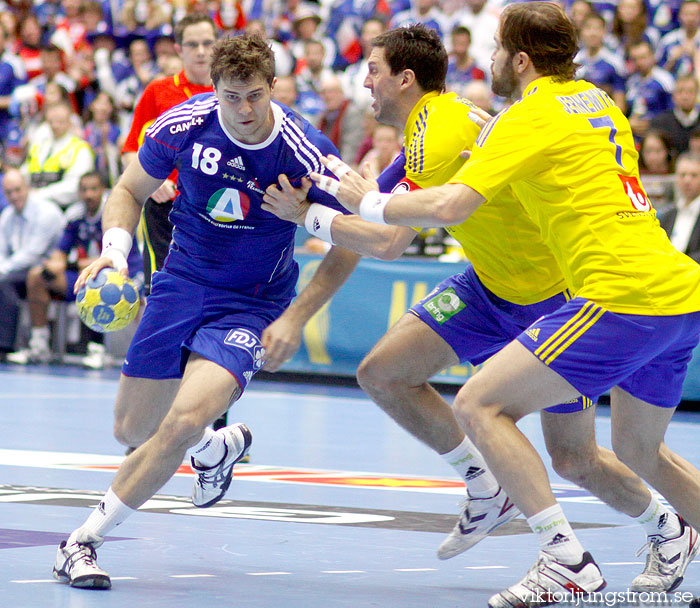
{"x":555,"y":535}
{"x":39,"y":337}
{"x":106,"y":516}
{"x":209,"y":450}
{"x":658,"y":520}
{"x":471,"y":466}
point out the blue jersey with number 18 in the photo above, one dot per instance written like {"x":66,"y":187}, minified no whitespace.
{"x":222,"y":237}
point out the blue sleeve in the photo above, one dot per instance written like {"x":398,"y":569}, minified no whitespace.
{"x":393,"y":174}
{"x":69,"y":237}
{"x":157,"y":158}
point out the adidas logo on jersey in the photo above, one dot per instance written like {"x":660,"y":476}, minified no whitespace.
{"x":236,"y":163}
{"x":248,"y":375}
{"x":533,"y":333}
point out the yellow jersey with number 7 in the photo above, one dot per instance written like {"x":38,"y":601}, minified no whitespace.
{"x":567,"y":152}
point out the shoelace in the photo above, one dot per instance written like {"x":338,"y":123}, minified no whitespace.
{"x":84,"y":553}
{"x":657,"y":559}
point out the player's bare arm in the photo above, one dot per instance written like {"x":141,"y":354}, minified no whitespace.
{"x":446,"y":205}
{"x":282,"y":338}
{"x":122,"y":211}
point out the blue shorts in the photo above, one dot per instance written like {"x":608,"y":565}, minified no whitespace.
{"x":477,"y":324}
{"x":183,"y":317}
{"x":595,"y":349}
{"x":71,"y":278}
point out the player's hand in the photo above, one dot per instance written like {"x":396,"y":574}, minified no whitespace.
{"x":287,"y":202}
{"x":281,"y":339}
{"x":165,"y":193}
{"x":350,"y":186}
{"x":479,"y":117}
{"x":91,"y":270}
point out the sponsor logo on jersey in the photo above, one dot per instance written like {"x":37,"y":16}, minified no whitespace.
{"x":444,"y":305}
{"x":533,"y":333}
{"x":249,"y":342}
{"x":184,"y":126}
{"x":236,"y":163}
{"x":255,"y":186}
{"x":247,"y":375}
{"x":228,"y":205}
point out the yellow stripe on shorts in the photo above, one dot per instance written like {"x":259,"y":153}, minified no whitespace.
{"x":561,"y":339}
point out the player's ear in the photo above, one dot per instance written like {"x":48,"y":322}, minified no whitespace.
{"x":408,"y":78}
{"x":273,"y":83}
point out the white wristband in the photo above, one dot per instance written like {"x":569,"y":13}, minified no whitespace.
{"x":116,"y":245}
{"x":372,"y":206}
{"x":318,"y":221}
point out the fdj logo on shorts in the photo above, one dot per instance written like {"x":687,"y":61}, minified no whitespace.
{"x":228,"y":205}
{"x":444,"y":305}
{"x":245,"y":340}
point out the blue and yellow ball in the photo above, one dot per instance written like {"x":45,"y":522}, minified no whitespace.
{"x":108,"y":302}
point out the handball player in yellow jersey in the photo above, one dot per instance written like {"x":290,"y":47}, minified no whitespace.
{"x":514,"y":281}
{"x":568,"y":153}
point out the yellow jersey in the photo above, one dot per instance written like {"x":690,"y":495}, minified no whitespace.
{"x":567,"y":152}
{"x":500,"y":240}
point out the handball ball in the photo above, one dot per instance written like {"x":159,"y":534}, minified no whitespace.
{"x":107,"y":302}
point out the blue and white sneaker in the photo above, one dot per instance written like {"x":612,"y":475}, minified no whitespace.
{"x":667,"y":560}
{"x":479,"y":517}
{"x":550,"y":582}
{"x":212,"y":482}
{"x":75,"y":564}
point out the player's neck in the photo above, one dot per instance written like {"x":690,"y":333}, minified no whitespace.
{"x":203,"y":79}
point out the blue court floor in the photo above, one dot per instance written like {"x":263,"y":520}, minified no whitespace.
{"x":338,"y":507}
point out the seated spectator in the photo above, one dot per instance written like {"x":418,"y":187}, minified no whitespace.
{"x":29,"y":45}
{"x":386,"y":146}
{"x":684,"y":117}
{"x":12,"y":74}
{"x":663,"y":14}
{"x":677,"y":49}
{"x":144,"y":18}
{"x":649,"y":89}
{"x":102,"y":133}
{"x":354,"y":75}
{"x":462,"y":67}
{"x":54,"y":164}
{"x":480,"y":17}
{"x":143,"y":70}
{"x":29,"y":229}
{"x":631,"y":27}
{"x":578,"y":11}
{"x":69,"y":31}
{"x":305,"y":28}
{"x":309,"y":79}
{"x":284,"y":61}
{"x":55,"y":277}
{"x":681,"y":222}
{"x":426,"y":12}
{"x":285,"y":91}
{"x":341,"y":121}
{"x":599,"y":64}
{"x":479,"y":93}
{"x":656,"y":166}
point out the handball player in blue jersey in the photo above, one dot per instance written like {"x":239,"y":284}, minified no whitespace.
{"x":221,"y":307}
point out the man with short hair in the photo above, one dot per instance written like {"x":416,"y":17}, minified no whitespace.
{"x":634,"y":318}
{"x":232,"y":265}
{"x":512,"y":281}
{"x":684,"y":116}
{"x":29,"y":228}
{"x":681,"y":221}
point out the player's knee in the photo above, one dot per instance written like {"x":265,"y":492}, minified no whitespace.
{"x":373,"y":376}
{"x":472,"y":409}
{"x":570,"y":465}
{"x":131,"y":433}
{"x":182,"y":429}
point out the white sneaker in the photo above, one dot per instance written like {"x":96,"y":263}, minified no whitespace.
{"x":667,"y":560}
{"x":36,"y":352}
{"x":212,"y":482}
{"x":76,"y":565}
{"x":549,"y":582}
{"x":479,"y":517}
{"x":96,"y":356}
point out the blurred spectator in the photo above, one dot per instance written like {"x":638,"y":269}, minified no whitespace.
{"x":684,"y":117}
{"x":694,"y":141}
{"x":578,"y":10}
{"x":649,"y":89}
{"x":607,"y":9}
{"x":599,"y":64}
{"x":29,"y":229}
{"x":309,"y":81}
{"x":354,"y":75}
{"x":54,"y":278}
{"x":29,"y":47}
{"x":461,"y":68}
{"x":144,"y":70}
{"x":656,"y":166}
{"x":341,"y":121}
{"x":12,"y":74}
{"x":102,"y":133}
{"x":386,"y":146}
{"x":69,"y":32}
{"x":681,"y":221}
{"x":229,"y":17}
{"x":55,"y":163}
{"x":285,"y":91}
{"x":48,"y":13}
{"x":479,"y":93}
{"x":426,"y":12}
{"x":631,"y":27}
{"x":284,"y":61}
{"x":144,"y":18}
{"x":305,"y":28}
{"x":663,"y":14}
{"x":481,"y":18}
{"x":677,"y":49}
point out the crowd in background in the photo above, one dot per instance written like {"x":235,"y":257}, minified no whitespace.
{"x":71,"y":72}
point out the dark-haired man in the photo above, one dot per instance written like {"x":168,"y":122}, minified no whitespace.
{"x":568,"y":153}
{"x":220,"y":308}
